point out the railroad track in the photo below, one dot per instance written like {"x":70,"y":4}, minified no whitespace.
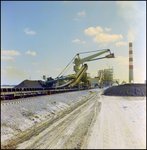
{"x":14,"y":93}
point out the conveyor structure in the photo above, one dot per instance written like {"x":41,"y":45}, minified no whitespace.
{"x":79,"y":68}
{"x":48,"y":87}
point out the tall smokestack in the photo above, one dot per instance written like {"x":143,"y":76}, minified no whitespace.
{"x":130,"y":63}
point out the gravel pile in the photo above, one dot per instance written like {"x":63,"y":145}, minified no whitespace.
{"x":126,"y":90}
{"x":31,"y":84}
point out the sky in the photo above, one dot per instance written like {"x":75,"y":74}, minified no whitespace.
{"x":41,"y":37}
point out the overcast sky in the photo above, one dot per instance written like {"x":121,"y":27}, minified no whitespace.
{"x":41,"y":37}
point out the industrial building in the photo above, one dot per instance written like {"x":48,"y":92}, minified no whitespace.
{"x":104,"y":78}
{"x":94,"y":81}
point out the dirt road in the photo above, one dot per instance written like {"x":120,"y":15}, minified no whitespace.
{"x":99,"y":122}
{"x":121,"y":124}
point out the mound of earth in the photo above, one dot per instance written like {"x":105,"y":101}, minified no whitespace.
{"x":126,"y":90}
{"x":31,"y":84}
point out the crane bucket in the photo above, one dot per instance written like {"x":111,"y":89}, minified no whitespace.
{"x":110,"y":55}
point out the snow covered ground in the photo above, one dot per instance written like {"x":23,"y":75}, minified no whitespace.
{"x":21,"y":114}
{"x":121,"y":124}
{"x":103,"y":121}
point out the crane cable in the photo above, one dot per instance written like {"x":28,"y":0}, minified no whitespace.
{"x":91,"y":51}
{"x":75,"y":56}
{"x":66,"y":66}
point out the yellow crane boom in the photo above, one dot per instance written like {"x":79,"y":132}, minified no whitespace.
{"x":78,"y":61}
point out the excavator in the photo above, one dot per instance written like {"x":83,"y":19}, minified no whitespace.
{"x":80,"y":70}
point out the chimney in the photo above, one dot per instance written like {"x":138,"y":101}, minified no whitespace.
{"x":131,"y":80}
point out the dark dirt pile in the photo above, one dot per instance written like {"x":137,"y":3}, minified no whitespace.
{"x":31,"y":84}
{"x":126,"y":90}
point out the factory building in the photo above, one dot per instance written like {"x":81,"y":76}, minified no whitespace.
{"x":104,"y":77}
{"x":94,"y":81}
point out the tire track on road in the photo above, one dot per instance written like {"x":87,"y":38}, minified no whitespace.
{"x":56,"y":131}
{"x":27,"y":135}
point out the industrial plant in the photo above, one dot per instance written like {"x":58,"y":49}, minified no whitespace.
{"x":55,"y":112}
{"x":80,"y":80}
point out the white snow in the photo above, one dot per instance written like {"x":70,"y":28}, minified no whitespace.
{"x":121,"y":122}
{"x":20,"y":116}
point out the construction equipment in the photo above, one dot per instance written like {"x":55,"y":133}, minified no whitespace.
{"x":80,"y":70}
{"x":78,"y":61}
